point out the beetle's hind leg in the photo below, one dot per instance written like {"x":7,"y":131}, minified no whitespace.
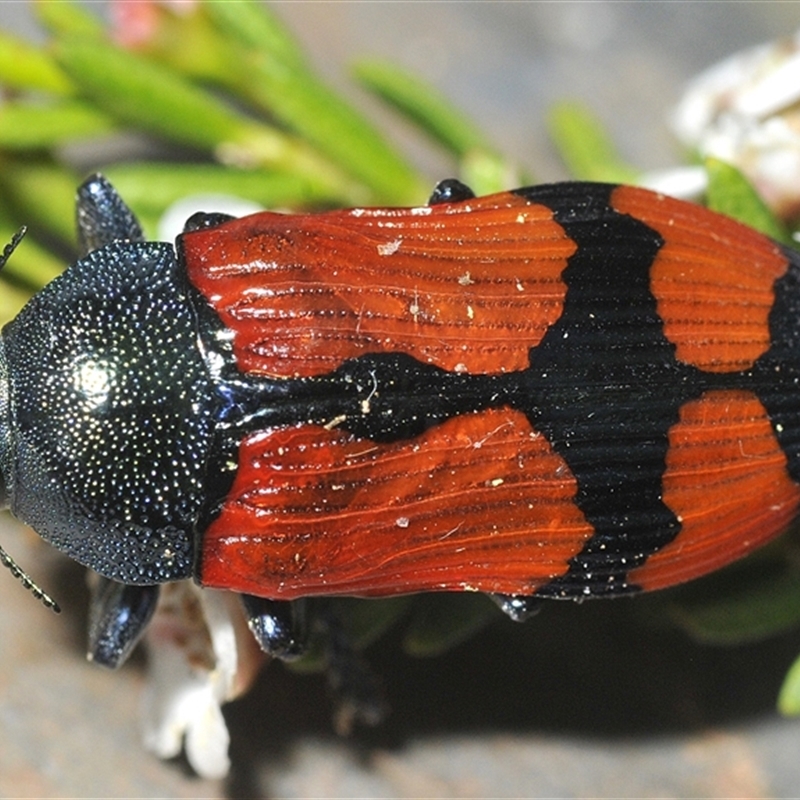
{"x":279,"y":626}
{"x":283,"y":628}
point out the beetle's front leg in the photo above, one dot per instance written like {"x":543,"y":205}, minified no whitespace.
{"x":118,"y":616}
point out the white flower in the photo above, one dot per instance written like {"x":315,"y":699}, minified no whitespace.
{"x":200,"y":655}
{"x":746,"y":111}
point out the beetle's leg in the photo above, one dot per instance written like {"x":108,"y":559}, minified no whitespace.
{"x":278,"y":625}
{"x":518,"y":606}
{"x":201,"y":220}
{"x":281,"y":630}
{"x":118,"y":616}
{"x":357,"y":691}
{"x":102,"y":216}
{"x":450,"y":191}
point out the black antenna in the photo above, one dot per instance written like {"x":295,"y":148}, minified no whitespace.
{"x":12,"y":246}
{"x":27,"y":582}
{"x":5,"y":558}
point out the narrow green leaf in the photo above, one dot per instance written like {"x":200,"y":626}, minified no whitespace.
{"x":301,"y":102}
{"x":789,"y":695}
{"x":66,"y":18}
{"x":486,"y":172}
{"x":585,"y":146}
{"x":424,"y":105}
{"x":152,"y":187}
{"x":189,"y":42}
{"x":252,"y":24}
{"x":271,"y":77}
{"x":25,"y":126}
{"x":25,"y":66}
{"x":729,"y":192}
{"x":158,"y":100}
{"x":42,"y":194}
{"x":747,"y":612}
{"x":148,"y":96}
{"x":481,"y":168}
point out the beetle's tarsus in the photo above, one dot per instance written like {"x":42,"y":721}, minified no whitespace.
{"x":119,"y":615}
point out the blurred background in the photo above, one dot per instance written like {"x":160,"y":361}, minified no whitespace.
{"x":581,"y":701}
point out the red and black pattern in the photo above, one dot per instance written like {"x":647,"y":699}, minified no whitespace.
{"x":573,"y":390}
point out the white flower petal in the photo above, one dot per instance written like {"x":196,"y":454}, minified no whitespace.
{"x":685,"y":183}
{"x":207,"y":739}
{"x":744,"y":111}
{"x":192,"y":666}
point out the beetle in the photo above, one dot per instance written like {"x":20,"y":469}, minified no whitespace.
{"x":572,"y":391}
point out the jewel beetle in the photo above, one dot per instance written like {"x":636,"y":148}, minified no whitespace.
{"x":573,"y":390}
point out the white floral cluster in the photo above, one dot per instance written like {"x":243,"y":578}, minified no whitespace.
{"x":744,"y":111}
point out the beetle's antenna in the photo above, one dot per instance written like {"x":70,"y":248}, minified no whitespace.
{"x":25,"y":579}
{"x":12,"y":246}
{"x":5,"y":558}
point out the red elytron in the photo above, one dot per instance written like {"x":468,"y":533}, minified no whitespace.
{"x":662,"y":334}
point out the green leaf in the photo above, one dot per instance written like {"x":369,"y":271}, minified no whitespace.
{"x":150,"y":187}
{"x":253,"y":25}
{"x":423,"y":105}
{"x":750,"y":610}
{"x":191,"y":43}
{"x":482,"y":168}
{"x":148,"y":96}
{"x":158,"y":100}
{"x":585,"y":146}
{"x":729,"y":192}
{"x":42,"y":193}
{"x":66,"y":18}
{"x":271,"y":76}
{"x":789,"y":695}
{"x":486,"y":173}
{"x":26,"y":66}
{"x":25,"y":126}
{"x":300,"y":101}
